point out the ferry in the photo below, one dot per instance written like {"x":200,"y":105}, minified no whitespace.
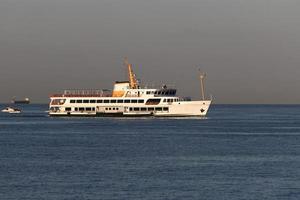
{"x":128,"y":99}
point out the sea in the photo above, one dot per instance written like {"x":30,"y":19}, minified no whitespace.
{"x":236,"y":152}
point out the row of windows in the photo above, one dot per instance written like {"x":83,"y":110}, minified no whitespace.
{"x":81,"y":109}
{"x":111,"y":108}
{"x":107,"y":101}
{"x":118,"y":101}
{"x":149,"y":109}
{"x":171,"y":100}
{"x":168,"y":92}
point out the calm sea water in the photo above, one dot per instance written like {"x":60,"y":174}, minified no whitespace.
{"x":237,"y":152}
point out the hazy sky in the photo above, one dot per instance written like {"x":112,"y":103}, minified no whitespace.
{"x":250,"y":49}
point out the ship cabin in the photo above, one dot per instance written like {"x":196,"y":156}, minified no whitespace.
{"x":122,"y":89}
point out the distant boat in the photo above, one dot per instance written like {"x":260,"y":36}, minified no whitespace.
{"x":11,"y":110}
{"x":25,"y":101}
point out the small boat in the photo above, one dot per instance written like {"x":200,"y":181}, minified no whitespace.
{"x":11,"y":110}
{"x":25,"y":101}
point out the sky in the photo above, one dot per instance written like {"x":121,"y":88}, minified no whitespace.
{"x":250,"y":50}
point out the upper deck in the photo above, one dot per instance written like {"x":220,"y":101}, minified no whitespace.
{"x":140,"y":92}
{"x":83,"y":93}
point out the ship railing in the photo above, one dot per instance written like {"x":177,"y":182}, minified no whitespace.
{"x":84,"y":93}
{"x":157,"y":86}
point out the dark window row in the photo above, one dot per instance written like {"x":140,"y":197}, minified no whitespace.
{"x":148,"y":109}
{"x":171,"y":92}
{"x":170,"y":100}
{"x":168,"y":92}
{"x":162,"y":92}
{"x":84,"y":109}
{"x":150,"y":92}
{"x":107,"y":101}
{"x":111,"y":108}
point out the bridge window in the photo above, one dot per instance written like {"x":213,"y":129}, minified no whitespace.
{"x":72,"y":101}
{"x":133,"y":101}
{"x":92,"y":101}
{"x":113,"y":101}
{"x":106,"y":101}
{"x":120,"y":100}
{"x":141,"y":101}
{"x":152,"y":101}
{"x":99,"y":101}
{"x":58,"y":101}
{"x":126,"y":101}
{"x":86,"y":101}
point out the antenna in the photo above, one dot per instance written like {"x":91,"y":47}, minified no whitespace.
{"x":202,"y":76}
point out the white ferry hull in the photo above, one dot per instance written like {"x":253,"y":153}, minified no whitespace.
{"x":175,"y":109}
{"x":188,"y":108}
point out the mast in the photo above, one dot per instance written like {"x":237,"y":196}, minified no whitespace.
{"x":131,"y":75}
{"x":202,"y":76}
